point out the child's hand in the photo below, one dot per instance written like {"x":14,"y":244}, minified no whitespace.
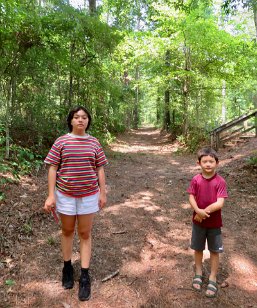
{"x":49,"y":204}
{"x":198,"y":218}
{"x":203,"y":214}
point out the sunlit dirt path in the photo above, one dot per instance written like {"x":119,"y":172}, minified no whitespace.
{"x":143,"y":235}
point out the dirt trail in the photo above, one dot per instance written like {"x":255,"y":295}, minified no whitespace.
{"x":144,"y":233}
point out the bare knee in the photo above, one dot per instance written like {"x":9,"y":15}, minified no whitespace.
{"x":85,"y":235}
{"x":67,"y":231}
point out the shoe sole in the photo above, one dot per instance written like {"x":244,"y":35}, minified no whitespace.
{"x":68,"y":286}
{"x":83,"y":299}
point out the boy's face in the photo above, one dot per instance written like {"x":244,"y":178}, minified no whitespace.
{"x":208,"y":165}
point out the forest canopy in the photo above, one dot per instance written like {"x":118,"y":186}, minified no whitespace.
{"x":183,"y":66}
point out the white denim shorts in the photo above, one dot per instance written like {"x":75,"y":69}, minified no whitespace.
{"x":76,"y":206}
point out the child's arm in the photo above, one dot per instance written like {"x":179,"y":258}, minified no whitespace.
{"x":50,"y":201}
{"x":101,"y":183}
{"x":201,"y":213}
{"x":216,"y":205}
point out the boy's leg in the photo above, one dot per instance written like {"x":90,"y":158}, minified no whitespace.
{"x":198,"y":244}
{"x":214,"y":239}
{"x":214,"y":259}
{"x":212,"y":287}
{"x":197,"y":281}
{"x":198,"y":262}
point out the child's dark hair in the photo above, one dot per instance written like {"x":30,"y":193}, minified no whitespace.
{"x":207,"y":152}
{"x":75,"y":110}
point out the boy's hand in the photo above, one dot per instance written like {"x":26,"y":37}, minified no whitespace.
{"x":203,"y":214}
{"x":198,"y":218}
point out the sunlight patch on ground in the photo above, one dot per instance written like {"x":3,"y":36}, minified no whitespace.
{"x":139,"y":200}
{"x":144,"y":267}
{"x":162,"y":219}
{"x":246,"y":270}
{"x":224,"y":162}
{"x":134,"y":148}
{"x":185,"y":206}
{"x":49,"y":287}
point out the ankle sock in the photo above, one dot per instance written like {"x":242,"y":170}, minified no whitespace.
{"x":84,"y":271}
{"x":67,"y":264}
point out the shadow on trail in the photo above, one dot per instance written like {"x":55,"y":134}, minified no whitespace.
{"x":148,"y":202}
{"x":144,"y":232}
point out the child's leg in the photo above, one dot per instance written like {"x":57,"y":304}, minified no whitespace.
{"x":85,"y":223}
{"x":214,"y":239}
{"x":214,"y":258}
{"x":198,"y":262}
{"x":197,"y":281}
{"x":68,"y":227}
{"x":198,"y":244}
{"x":212,"y":287}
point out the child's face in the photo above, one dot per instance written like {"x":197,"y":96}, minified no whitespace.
{"x":208,"y":165}
{"x":79,"y":121}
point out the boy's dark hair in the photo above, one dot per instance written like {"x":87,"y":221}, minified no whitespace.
{"x":207,"y":152}
{"x":75,"y":110}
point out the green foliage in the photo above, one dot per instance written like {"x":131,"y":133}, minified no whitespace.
{"x":119,"y":63}
{"x":2,"y":196}
{"x":252,"y":161}
{"x":21,"y":161}
{"x":195,"y":139}
{"x":9,"y":282}
{"x":51,"y":241}
{"x":27,"y":228}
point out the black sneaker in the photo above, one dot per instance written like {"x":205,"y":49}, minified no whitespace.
{"x":84,"y":287}
{"x":67,"y":277}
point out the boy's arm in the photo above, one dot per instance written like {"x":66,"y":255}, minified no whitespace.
{"x":216,"y":205}
{"x":202,"y":213}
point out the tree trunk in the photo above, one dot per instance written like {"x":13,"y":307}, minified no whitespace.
{"x":92,"y":6}
{"x":254,"y":6}
{"x":70,"y":97}
{"x":158,"y":115}
{"x":9,"y":100}
{"x":185,"y":91}
{"x":223,"y":108}
{"x":167,"y":121}
{"x":135,"y":109}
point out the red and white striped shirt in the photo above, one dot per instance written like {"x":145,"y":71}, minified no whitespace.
{"x":77,"y":158}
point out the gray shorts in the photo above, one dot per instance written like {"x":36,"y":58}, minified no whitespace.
{"x":212,"y":235}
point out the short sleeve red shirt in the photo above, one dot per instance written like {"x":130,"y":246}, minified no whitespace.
{"x":206,"y":192}
{"x":77,"y":159}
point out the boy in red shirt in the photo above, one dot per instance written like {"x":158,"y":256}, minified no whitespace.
{"x":207,"y":193}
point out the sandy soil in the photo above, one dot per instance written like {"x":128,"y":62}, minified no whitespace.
{"x":143,"y":235}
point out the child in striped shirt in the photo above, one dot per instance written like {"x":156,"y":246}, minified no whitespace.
{"x":76,"y":188}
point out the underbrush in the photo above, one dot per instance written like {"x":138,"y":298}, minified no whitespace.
{"x":252,"y":161}
{"x":21,"y":161}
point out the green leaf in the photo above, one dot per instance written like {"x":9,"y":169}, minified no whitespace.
{"x":9,"y":282}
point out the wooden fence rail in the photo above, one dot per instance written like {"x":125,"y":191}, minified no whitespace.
{"x":233,"y":129}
